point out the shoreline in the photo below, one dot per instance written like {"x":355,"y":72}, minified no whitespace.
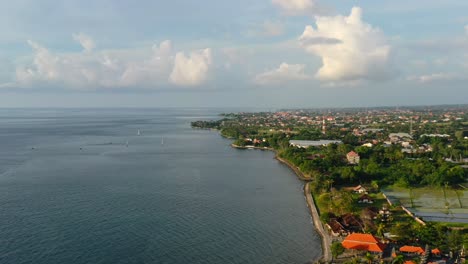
{"x":325,"y":238}
{"x":326,"y":241}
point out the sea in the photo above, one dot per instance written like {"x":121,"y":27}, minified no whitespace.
{"x":142,"y":186}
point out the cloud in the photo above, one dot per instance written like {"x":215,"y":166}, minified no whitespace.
{"x":272,"y":28}
{"x":149,"y":71}
{"x":434,"y":77}
{"x":285,"y":72}
{"x":298,"y":7}
{"x":70,"y":70}
{"x":466,"y":29}
{"x":140,"y":68}
{"x":350,"y":49}
{"x":191,"y":70}
{"x":85,"y":41}
{"x":267,"y":29}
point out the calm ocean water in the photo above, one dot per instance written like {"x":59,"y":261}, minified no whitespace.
{"x":73,"y":191}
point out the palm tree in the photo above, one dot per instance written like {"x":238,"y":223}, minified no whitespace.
{"x":380,"y":229}
{"x":398,"y":260}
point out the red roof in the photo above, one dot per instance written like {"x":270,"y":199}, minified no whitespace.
{"x":363,"y":242}
{"x":409,"y":262}
{"x":352,"y":154}
{"x":436,"y":251}
{"x":412,"y":249}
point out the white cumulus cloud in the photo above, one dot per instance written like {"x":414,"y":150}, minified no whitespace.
{"x":131,"y":68}
{"x":297,"y":7}
{"x":191,"y":70}
{"x":350,"y":49}
{"x":85,"y":41}
{"x":285,"y":72}
{"x":152,"y":70}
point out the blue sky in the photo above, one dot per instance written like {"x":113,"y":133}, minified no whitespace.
{"x":214,"y":53}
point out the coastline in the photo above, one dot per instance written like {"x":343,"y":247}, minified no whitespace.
{"x":325,"y":238}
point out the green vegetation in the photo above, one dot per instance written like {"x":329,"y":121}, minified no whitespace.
{"x":430,"y":160}
{"x":337,"y":249}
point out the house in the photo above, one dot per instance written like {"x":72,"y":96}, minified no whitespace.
{"x":367,"y":242}
{"x":359,"y":189}
{"x":369,"y":213}
{"x":436,"y":252}
{"x":351,"y":222}
{"x":352,"y":157}
{"x":399,"y":137}
{"x":336,"y":228}
{"x":412,"y":250}
{"x":365,"y":199}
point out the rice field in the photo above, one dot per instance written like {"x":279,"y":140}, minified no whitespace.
{"x":432,"y":204}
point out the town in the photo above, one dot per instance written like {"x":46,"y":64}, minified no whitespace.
{"x":389,"y":184}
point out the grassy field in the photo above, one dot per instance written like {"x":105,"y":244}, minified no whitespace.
{"x":433,"y":204}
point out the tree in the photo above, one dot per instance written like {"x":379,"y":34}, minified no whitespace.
{"x":455,"y":240}
{"x":375,"y":185}
{"x":399,"y":259}
{"x":459,"y":135}
{"x":336,"y":249}
{"x":380,"y":229}
{"x":369,"y":257}
{"x":347,"y":173}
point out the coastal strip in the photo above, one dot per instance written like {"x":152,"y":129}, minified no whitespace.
{"x":326,"y":240}
{"x":296,"y":170}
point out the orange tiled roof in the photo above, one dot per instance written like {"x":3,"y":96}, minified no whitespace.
{"x":363,"y":242}
{"x":412,"y":249}
{"x":436,"y":251}
{"x":409,"y":262}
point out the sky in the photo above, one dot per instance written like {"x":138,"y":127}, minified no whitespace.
{"x":244,"y":53}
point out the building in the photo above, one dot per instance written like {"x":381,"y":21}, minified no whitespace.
{"x":369,"y":213}
{"x":352,"y":157}
{"x":359,"y":189}
{"x":412,"y":250}
{"x":312,"y":143}
{"x":336,"y":228}
{"x":399,"y":137}
{"x":371,"y":130}
{"x":365,"y":199}
{"x":367,"y":242}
